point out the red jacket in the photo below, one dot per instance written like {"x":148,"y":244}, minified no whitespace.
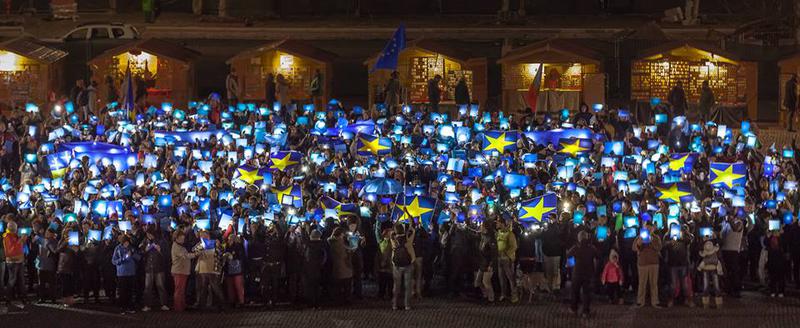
{"x":612,"y":274}
{"x":13,"y":248}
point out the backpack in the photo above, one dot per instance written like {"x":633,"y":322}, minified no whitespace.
{"x":400,"y":255}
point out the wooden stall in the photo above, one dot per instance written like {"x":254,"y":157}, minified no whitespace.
{"x":297,"y":61}
{"x":571,"y":74}
{"x":29,"y":72}
{"x":166,"y":69}
{"x":655,"y":72}
{"x":419,"y":62}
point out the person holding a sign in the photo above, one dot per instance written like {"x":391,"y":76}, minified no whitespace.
{"x":67,"y":266}
{"x":125,"y":258}
{"x":648,"y":247}
{"x":47,"y":265}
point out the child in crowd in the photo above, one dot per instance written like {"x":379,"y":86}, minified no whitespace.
{"x":612,"y":278}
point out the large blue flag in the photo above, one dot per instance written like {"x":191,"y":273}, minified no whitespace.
{"x":284,"y":160}
{"x":539,"y":208}
{"x":291,"y":195}
{"x":500,"y":141}
{"x":574,"y":146}
{"x":249,"y":175}
{"x":414,"y":207}
{"x":676,"y":192}
{"x":370,"y":145}
{"x":390,"y":53}
{"x":727,"y":175}
{"x":681,"y":162}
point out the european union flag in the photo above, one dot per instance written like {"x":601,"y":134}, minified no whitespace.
{"x":249,"y":175}
{"x":328,"y":203}
{"x":420,"y":207}
{"x":727,"y":175}
{"x":370,"y":145}
{"x":676,"y":192}
{"x":284,"y":160}
{"x":291,"y":195}
{"x":681,"y":162}
{"x":537,"y":209}
{"x":500,"y":141}
{"x":574,"y":146}
{"x":388,"y":58}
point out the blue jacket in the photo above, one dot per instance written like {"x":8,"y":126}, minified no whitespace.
{"x":126,"y":265}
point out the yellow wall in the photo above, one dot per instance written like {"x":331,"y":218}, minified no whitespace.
{"x":23,"y":80}
{"x":300,"y":71}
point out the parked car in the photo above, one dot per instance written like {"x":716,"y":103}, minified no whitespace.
{"x":95,"y":31}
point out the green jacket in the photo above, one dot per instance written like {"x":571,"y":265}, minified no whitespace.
{"x":506,"y":244}
{"x":148,"y":5}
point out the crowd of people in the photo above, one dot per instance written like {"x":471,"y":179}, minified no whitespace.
{"x":222,"y":206}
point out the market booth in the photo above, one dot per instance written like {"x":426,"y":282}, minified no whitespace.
{"x":166,"y":69}
{"x":571,"y":74}
{"x":734,"y":83}
{"x":419,"y":62}
{"x":29,"y":71}
{"x":297,"y":61}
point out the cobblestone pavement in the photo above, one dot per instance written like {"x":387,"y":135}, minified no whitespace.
{"x":753,"y":310}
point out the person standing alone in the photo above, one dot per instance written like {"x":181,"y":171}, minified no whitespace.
{"x":232,"y":87}
{"x":790,"y":100}
{"x":585,"y":256}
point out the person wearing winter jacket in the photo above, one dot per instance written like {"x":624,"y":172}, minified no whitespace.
{"x":677,"y":252}
{"x":15,"y":262}
{"x":507,"y":251}
{"x":342,"y":266}
{"x":648,"y":246}
{"x":710,"y":267}
{"x":403,"y":257}
{"x":154,"y":250}
{"x":125,"y":258}
{"x":314,"y":257}
{"x":67,"y":269}
{"x":383,"y":261}
{"x":777,"y":265}
{"x":209,"y":268}
{"x":585,"y":259}
{"x":613,"y":278}
{"x":487,"y":261}
{"x":552,"y":250}
{"x":47,"y":264}
{"x":181,"y":268}
{"x":234,"y":272}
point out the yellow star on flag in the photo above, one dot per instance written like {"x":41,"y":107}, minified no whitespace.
{"x":536,"y":212}
{"x":342,"y":212}
{"x":727,"y":177}
{"x":279,"y":194}
{"x":672,"y":193}
{"x":249,"y":176}
{"x":413,"y":209}
{"x":500,"y":143}
{"x":283,"y":163}
{"x":573,"y":148}
{"x":373,"y":146}
{"x":678,"y":163}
